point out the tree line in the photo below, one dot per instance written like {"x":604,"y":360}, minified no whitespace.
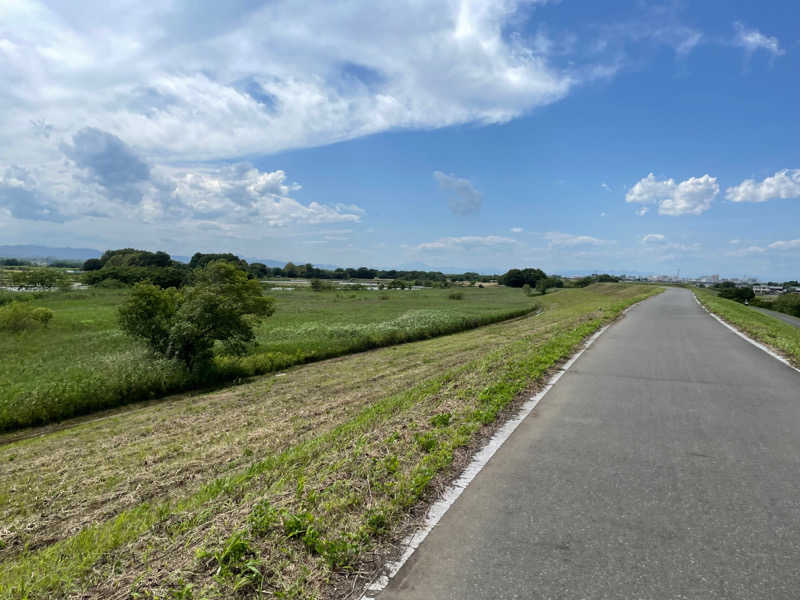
{"x":127,"y":266}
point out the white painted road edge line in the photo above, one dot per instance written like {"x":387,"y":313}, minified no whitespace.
{"x":451,"y":494}
{"x":744,"y":336}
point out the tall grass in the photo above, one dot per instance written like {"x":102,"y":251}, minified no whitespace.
{"x":82,"y":363}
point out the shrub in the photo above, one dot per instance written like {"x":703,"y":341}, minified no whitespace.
{"x":17,"y":316}
{"x":738,"y":294}
{"x":9,"y":297}
{"x":42,"y":315}
{"x":318,"y":285}
{"x":111,"y":284}
{"x":456,"y":296}
{"x":788,"y":303}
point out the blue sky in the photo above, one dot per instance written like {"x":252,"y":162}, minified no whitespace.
{"x":625,"y":136}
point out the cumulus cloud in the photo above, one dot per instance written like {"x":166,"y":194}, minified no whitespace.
{"x":653,"y":238}
{"x":241,"y":193}
{"x":784,"y":184}
{"x":690,"y":197}
{"x":752,"y":40}
{"x":463,"y":198}
{"x":104,"y":177}
{"x":468,"y":243}
{"x":785,"y":245}
{"x":567,"y":240}
{"x":517,"y":230}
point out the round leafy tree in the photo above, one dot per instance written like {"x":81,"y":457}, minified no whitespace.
{"x":220,"y":305}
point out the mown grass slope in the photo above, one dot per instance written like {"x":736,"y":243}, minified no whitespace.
{"x":82,"y":362}
{"x":288,"y":486}
{"x":785,"y":338}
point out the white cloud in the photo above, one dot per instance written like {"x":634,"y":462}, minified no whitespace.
{"x":690,"y":197}
{"x":785,"y":245}
{"x":606,"y":187}
{"x":747,"y":251}
{"x":241,"y":193}
{"x":516,"y":230}
{"x":189,"y":82}
{"x":653,"y":238}
{"x":734,"y":242}
{"x":463,"y":198}
{"x":568,"y":240}
{"x":468,"y":243}
{"x":99,"y":176}
{"x":642,"y":211}
{"x":752,"y":40}
{"x":784,"y":184}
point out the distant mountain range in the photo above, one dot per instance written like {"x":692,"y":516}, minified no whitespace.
{"x":48,"y":252}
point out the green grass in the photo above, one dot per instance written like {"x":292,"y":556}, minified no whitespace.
{"x":785,"y":338}
{"x":336,"y":455}
{"x":82,"y":362}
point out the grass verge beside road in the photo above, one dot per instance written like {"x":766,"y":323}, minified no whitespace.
{"x":784,"y":338}
{"x":288,"y":486}
{"x":82,"y":363}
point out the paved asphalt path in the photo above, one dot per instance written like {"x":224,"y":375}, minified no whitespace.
{"x":664,"y":464}
{"x":779,"y":315}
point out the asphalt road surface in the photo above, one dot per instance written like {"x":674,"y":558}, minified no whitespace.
{"x":664,"y":464}
{"x":779,"y":315}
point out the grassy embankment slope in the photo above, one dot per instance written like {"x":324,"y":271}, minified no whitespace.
{"x":290,"y":485}
{"x":83,"y":363}
{"x":783,"y":337}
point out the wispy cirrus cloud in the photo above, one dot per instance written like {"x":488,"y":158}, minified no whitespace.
{"x":558,"y":239}
{"x":653,"y":238}
{"x":747,"y":251}
{"x":785,"y":245}
{"x":468,"y":243}
{"x":753,"y":40}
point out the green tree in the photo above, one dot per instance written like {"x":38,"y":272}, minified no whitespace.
{"x":92,"y":264}
{"x":738,"y":294}
{"x":220,"y":305}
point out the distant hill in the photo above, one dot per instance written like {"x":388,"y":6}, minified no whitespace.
{"x":48,"y":252}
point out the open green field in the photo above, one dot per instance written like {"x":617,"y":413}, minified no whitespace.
{"x":292,"y":485}
{"x":785,"y":338}
{"x":82,"y":362}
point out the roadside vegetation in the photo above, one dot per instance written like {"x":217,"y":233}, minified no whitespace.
{"x":289,"y":486}
{"x":69,"y":355}
{"x":786,"y":303}
{"x":781,"y":336}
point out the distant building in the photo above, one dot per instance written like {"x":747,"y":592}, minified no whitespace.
{"x":767,"y":290}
